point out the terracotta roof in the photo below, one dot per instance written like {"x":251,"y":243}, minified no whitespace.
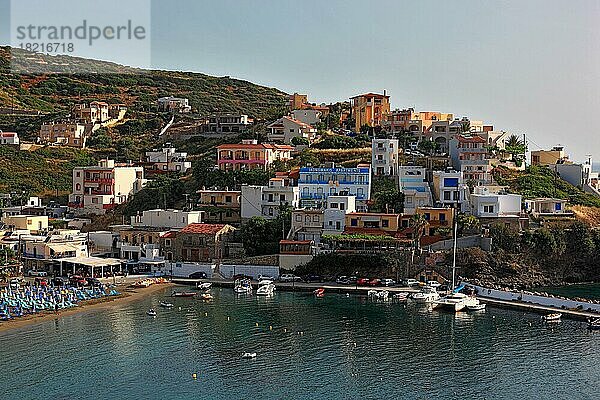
{"x":371,"y":94}
{"x":295,"y":242}
{"x":7,"y":134}
{"x":470,"y":139}
{"x":210,"y":229}
{"x":170,"y":234}
{"x":233,"y":146}
{"x":298,"y":122}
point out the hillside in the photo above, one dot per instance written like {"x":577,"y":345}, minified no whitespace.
{"x":138,"y":89}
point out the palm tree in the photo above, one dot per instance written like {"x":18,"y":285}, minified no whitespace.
{"x":515,"y":147}
{"x":418,"y":222}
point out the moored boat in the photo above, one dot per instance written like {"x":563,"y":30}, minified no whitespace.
{"x":320,"y":292}
{"x":206,"y":296}
{"x":594,"y":324}
{"x":183,"y":294}
{"x":427,"y":295}
{"x":151,"y":312}
{"x":203,"y":285}
{"x":242,"y":286}
{"x":265,"y":289}
{"x":553,"y":317}
{"x":248,"y":355}
{"x":476,"y":307}
{"x":165,"y":304}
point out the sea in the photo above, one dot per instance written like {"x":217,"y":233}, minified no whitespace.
{"x":335,"y":347}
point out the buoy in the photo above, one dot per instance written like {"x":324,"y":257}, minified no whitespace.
{"x":257,"y":324}
{"x":227,"y":318}
{"x":270,"y":328}
{"x":179,"y":308}
{"x":284,"y":330}
{"x":206,"y":314}
{"x":194,"y":376}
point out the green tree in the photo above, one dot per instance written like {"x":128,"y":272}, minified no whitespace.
{"x":418,"y":223}
{"x":300,"y":141}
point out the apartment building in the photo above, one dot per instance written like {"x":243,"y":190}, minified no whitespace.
{"x":40,"y":252}
{"x":71,"y":134}
{"x":220,"y":206}
{"x":384,"y":157}
{"x":167,"y":159}
{"x":298,"y":101}
{"x":166,"y":219}
{"x":307,"y":225}
{"x":98,"y":112}
{"x":471,"y":157}
{"x":249,"y":154}
{"x":317,"y":184}
{"x":198,"y":243}
{"x":30,"y":223}
{"x":287,"y":128}
{"x":308,"y":116}
{"x":100,"y":188}
{"x":334,"y":215}
{"x":492,"y":208}
{"x":369,"y":109}
{"x":412,"y":182}
{"x":417,"y":123}
{"x":265,"y":201}
{"x":555,"y":155}
{"x":226,"y":123}
{"x":449,"y":188}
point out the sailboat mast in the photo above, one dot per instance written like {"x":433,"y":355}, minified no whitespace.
{"x":454,"y":249}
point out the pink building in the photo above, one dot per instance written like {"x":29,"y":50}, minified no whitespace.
{"x":249,"y":154}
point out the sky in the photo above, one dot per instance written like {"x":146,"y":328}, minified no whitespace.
{"x":527,"y":66}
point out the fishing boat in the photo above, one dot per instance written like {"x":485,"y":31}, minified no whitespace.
{"x":248,"y":355}
{"x":372,"y":293}
{"x":242,"y":286}
{"x":151,"y":312}
{"x":594,"y":324}
{"x":183,"y":294}
{"x":203,"y":285}
{"x":266,"y":288}
{"x":320,"y":292}
{"x":427,"y":295}
{"x":400,"y":297}
{"x":166,"y":305}
{"x":553,"y":317}
{"x":476,"y":307}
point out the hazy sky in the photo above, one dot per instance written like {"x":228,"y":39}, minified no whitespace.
{"x":525,"y":66}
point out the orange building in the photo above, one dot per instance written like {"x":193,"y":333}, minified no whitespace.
{"x":370,"y":109}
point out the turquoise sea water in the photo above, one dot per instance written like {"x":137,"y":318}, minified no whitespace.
{"x":585,"y":290}
{"x":336,"y":347}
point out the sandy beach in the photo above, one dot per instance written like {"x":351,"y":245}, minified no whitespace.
{"x":127,"y":295}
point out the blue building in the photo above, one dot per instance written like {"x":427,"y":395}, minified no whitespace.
{"x":317,"y":184}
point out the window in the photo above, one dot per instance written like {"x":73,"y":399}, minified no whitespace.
{"x":354,"y":222}
{"x":298,"y":218}
{"x":333,"y":205}
{"x":385,"y":223}
{"x":78,"y":174}
{"x":94,"y":200}
{"x":330,"y":223}
{"x":338,"y":225}
{"x":446,"y":195}
{"x":342,"y":207}
{"x":282,"y":197}
{"x":442,"y":216}
{"x":228,"y":199}
{"x":488,"y":209}
{"x":427,"y":216}
{"x":315,"y":218}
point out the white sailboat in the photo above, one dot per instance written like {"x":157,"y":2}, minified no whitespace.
{"x":455,"y":301}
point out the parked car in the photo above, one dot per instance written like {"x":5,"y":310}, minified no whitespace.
{"x":198,"y":275}
{"x":60,"y":281}
{"x":342,"y":279}
{"x":289,"y":278}
{"x":388,"y":282}
{"x":33,"y":272}
{"x":374,"y":282}
{"x":411,"y":282}
{"x":313,"y":278}
{"x":434,"y":284}
{"x":352,"y":280}
{"x":362,"y":281}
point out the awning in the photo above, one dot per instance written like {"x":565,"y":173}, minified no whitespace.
{"x":91,"y":261}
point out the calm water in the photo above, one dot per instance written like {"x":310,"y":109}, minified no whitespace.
{"x":350,"y":349}
{"x":586,"y":290}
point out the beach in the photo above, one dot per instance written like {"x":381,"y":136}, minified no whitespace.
{"x":127,"y":295}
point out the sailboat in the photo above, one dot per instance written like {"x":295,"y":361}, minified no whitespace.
{"x":455,"y":301}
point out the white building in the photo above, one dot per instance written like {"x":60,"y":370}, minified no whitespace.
{"x":470,"y":156}
{"x":226,"y":123}
{"x":335,"y":214}
{"x":449,"y":188}
{"x":173,"y":104}
{"x":9,"y":138}
{"x":547,"y":207}
{"x":168,"y":219}
{"x":308,"y":116}
{"x":384,"y":156}
{"x":287,"y":128}
{"x":412,"y":182}
{"x":264,"y":201}
{"x":103,"y":187}
{"x":484,"y":204}
{"x":317,"y":184}
{"x":168,"y":159}
{"x":580,"y":175}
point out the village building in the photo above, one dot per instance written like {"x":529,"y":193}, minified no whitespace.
{"x":173,"y":104}
{"x":471,"y":157}
{"x":198,"y":243}
{"x":226,"y":123}
{"x":266,"y":201}
{"x":71,"y":134}
{"x":369,"y":109}
{"x":220,"y":206}
{"x":384,"y":157}
{"x":9,"y":138}
{"x":167,"y":159}
{"x":249,"y":154}
{"x":412,"y":182}
{"x":287,"y":128}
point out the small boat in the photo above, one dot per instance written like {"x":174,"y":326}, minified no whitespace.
{"x":427,"y":295}
{"x":372,"y":293}
{"x":320,"y":292}
{"x":203,"y":285}
{"x":400,"y":297}
{"x":206,"y":296}
{"x":166,"y":305}
{"x":151,"y":312}
{"x":554,"y":317}
{"x":476,"y":307}
{"x":242,"y":286}
{"x":248,"y":355}
{"x":594,"y":324}
{"x":265,"y":289}
{"x":183,"y":294}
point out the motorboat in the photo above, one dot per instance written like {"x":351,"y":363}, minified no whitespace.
{"x":206,"y":296}
{"x":320,"y":292}
{"x":372,"y":293}
{"x":242,"y":286}
{"x":183,"y":294}
{"x":553,"y":317}
{"x":265,"y":282}
{"x":427,"y":295}
{"x":166,"y":305}
{"x":476,"y":307}
{"x":455,"y":301}
{"x":265,"y":289}
{"x":383,"y":295}
{"x":594,"y":324}
{"x":203,"y":285}
{"x":400,"y":297}
{"x":151,"y":312}
{"x":248,"y":355}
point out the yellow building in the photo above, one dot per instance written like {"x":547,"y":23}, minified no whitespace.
{"x":370,"y":109}
{"x":297,"y":101}
{"x":31,"y":223}
{"x":437,"y":218}
{"x":556,"y":155}
{"x":220,"y":206}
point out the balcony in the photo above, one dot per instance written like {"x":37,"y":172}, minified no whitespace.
{"x":109,"y":181}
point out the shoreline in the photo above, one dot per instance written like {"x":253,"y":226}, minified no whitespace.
{"x":128,"y":295}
